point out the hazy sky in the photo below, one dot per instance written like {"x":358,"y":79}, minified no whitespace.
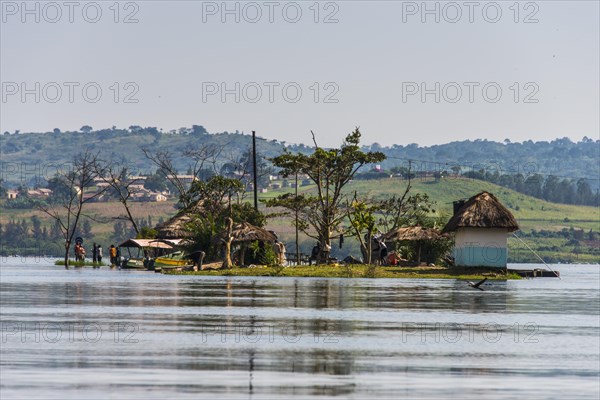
{"x":367,"y":66}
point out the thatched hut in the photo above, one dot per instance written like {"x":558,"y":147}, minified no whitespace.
{"x":482,"y":225}
{"x":417,"y":234}
{"x":175,"y":227}
{"x":244,"y":233}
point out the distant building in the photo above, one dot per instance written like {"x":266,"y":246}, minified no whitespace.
{"x":12,"y":194}
{"x":41,"y":193}
{"x":482,"y":225}
{"x":185,"y":179}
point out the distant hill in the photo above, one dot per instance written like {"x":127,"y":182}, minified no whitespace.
{"x":560,"y":157}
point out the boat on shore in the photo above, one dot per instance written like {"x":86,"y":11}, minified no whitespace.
{"x":179,"y":261}
{"x":140,"y":253}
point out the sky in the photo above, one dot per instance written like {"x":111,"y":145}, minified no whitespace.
{"x":404,"y":72}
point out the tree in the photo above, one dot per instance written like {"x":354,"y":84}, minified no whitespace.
{"x":156,"y":182}
{"x":198,"y":130}
{"x":86,"y":129}
{"x":207,"y":154}
{"x":215,"y":193}
{"x":214,"y":207}
{"x":56,"y":131}
{"x":584,"y":192}
{"x":116,"y":175}
{"x":330,"y":170}
{"x":68,"y":212}
{"x":36,"y":227}
{"x":361,"y":214}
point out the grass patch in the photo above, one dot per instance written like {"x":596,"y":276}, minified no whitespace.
{"x":359,"y":271}
{"x":80,"y":263}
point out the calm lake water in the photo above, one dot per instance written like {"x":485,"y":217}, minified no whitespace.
{"x":108,"y":334}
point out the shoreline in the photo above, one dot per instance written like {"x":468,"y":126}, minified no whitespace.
{"x":357,"y":271}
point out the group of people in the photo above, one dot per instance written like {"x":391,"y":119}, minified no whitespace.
{"x":79,"y":252}
{"x":97,"y":253}
{"x":378,"y":248}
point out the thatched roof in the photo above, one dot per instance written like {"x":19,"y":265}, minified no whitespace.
{"x":245,"y":232}
{"x":143,"y":243}
{"x":175,"y":227}
{"x":483,"y":210}
{"x":412,"y":233}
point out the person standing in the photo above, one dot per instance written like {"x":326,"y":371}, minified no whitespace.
{"x":77,"y":252}
{"x":383,"y":252}
{"x":282,"y":257}
{"x":99,"y":253}
{"x":94,"y":253}
{"x":113,"y":255}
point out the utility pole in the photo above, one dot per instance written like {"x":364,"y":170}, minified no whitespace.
{"x":297,"y":247}
{"x":255,"y":183}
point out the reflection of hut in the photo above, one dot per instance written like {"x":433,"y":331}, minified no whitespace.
{"x":413,"y":234}
{"x":482,"y":225}
{"x":244,"y":233}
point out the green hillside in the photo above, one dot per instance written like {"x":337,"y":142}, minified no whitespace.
{"x":567,"y":236}
{"x":531,"y":213}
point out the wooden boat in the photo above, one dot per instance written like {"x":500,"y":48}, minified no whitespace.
{"x":141,"y":252}
{"x":179,"y":261}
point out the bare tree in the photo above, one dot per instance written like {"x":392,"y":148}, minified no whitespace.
{"x":68,"y":212}
{"x":240,"y":166}
{"x":227,"y":263}
{"x":116,"y":175}
{"x":201,"y":156}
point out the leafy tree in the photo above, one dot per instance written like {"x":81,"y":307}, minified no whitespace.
{"x":584,"y":192}
{"x":86,"y":229}
{"x":86,"y":129}
{"x":361,"y":214}
{"x":36,"y":226}
{"x":156,"y":182}
{"x":198,"y":130}
{"x":214,"y":208}
{"x":330,"y":170}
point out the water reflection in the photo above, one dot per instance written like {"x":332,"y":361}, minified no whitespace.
{"x":173,"y":336}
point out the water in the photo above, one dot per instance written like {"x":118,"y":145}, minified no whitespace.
{"x":109,"y":334}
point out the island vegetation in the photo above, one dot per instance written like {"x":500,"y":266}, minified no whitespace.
{"x":324,"y":193}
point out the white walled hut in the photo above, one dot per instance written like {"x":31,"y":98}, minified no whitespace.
{"x":481,"y":225}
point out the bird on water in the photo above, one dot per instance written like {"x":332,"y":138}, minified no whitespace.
{"x":478,"y":284}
